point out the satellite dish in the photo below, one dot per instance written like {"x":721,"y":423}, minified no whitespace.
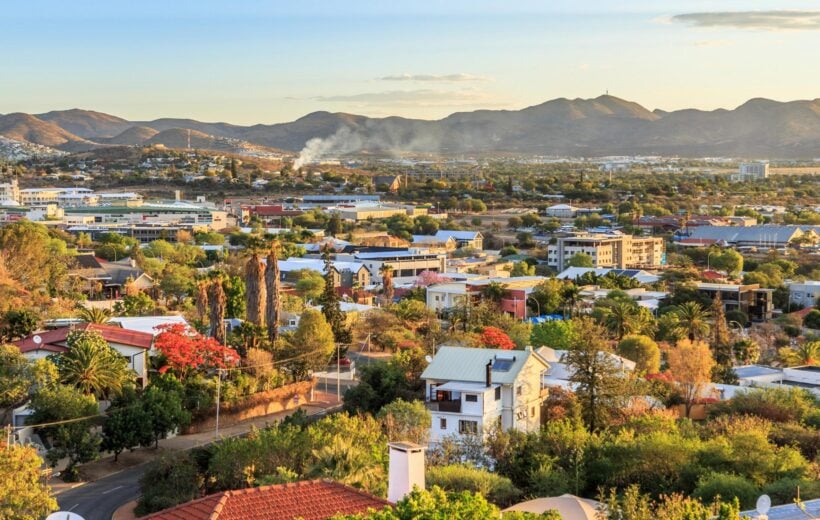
{"x":764,"y":503}
{"x":64,"y":515}
{"x":37,"y":339}
{"x":428,"y":358}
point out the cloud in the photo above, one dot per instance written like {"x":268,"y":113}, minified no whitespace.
{"x":416,"y":98}
{"x":435,"y":78}
{"x":713,"y":43}
{"x":783,"y":20}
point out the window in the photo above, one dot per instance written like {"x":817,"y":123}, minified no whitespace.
{"x":471,"y":398}
{"x":519,"y":390}
{"x":468,"y":427}
{"x":442,"y":423}
{"x":532,"y":412}
{"x":498,"y":393}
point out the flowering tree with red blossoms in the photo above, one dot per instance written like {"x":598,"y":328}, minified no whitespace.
{"x":493,"y":337}
{"x":185,"y":350}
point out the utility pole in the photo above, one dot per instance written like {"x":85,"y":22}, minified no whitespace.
{"x":338,"y":375}
{"x":218,"y":389}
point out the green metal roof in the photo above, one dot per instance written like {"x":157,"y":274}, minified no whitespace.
{"x":469,"y":364}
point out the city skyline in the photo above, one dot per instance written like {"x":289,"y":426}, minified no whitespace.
{"x":259,"y":62}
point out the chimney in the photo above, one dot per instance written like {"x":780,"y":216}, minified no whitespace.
{"x":488,"y":371}
{"x":406,"y":469}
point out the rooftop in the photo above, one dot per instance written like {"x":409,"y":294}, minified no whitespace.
{"x":54,"y":339}
{"x":469,"y":364}
{"x":307,"y":500}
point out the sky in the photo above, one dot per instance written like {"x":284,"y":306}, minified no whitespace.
{"x":266,"y":61}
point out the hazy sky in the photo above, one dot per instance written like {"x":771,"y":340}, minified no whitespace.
{"x":254,"y":61}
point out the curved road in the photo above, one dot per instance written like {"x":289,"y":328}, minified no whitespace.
{"x":99,"y":499}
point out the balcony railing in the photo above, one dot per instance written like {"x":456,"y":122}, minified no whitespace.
{"x":453,"y":406}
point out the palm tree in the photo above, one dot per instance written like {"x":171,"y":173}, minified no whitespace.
{"x":620,"y":319}
{"x":92,"y":365}
{"x":202,"y":299}
{"x":217,"y":300}
{"x":571,"y":295}
{"x":347,"y":463}
{"x":807,"y":353}
{"x":274,"y":288}
{"x":93,"y":314}
{"x":255,"y":285}
{"x":386,"y":270}
{"x":693,"y":319}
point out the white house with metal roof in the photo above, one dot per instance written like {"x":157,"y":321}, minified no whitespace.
{"x":470,"y":390}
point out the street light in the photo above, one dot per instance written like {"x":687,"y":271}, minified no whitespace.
{"x":708,"y":258}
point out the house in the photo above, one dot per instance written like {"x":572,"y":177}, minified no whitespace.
{"x":147,"y":324}
{"x":471,"y":390}
{"x":517,"y":290}
{"x":805,"y":293}
{"x":132,"y":345}
{"x":640,"y":276}
{"x":751,"y":299}
{"x":433,"y":242}
{"x":407,"y":264}
{"x":390,"y":183}
{"x":559,"y":372}
{"x":807,"y":377}
{"x":106,"y":279}
{"x":345,"y":274}
{"x":561,"y":211}
{"x":307,"y":500}
{"x":463,"y":239}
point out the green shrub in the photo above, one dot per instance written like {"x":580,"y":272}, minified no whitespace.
{"x":458,"y":477}
{"x":170,"y":480}
{"x":727,"y":486}
{"x":784,"y":491}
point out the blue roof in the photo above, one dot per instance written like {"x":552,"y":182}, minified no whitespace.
{"x":444,"y":234}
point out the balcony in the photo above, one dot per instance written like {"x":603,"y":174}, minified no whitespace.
{"x":445,"y":405}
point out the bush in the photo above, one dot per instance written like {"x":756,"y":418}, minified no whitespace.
{"x":774,"y":404}
{"x":458,"y":477}
{"x":727,"y":487}
{"x":807,"y":440}
{"x":170,"y":480}
{"x":643,"y":351}
{"x":784,"y":491}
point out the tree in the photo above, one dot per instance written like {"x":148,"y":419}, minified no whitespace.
{"x":73,"y":440}
{"x":556,"y":334}
{"x":32,"y":257}
{"x":17,"y":324}
{"x":435,"y":504}
{"x":496,"y":489}
{"x":15,"y":378}
{"x":522,"y":269}
{"x":342,"y":460}
{"x":177,"y":281}
{"x":693,"y":320}
{"x":162,"y":404}
{"x":234,"y":297}
{"x":728,"y":260}
{"x":93,"y":314}
{"x":597,"y":376}
{"x":386,"y":271}
{"x":92,"y":365}
{"x":185,"y":350}
{"x":23,"y":494}
{"x":721,"y":344}
{"x":643,"y":351}
{"x":310,"y":284}
{"x":549,"y":294}
{"x":493,"y":337}
{"x":170,"y":480}
{"x":311,"y":345}
{"x":580,"y":260}
{"x":746,"y":351}
{"x":331,"y":308}
{"x":126,"y":427}
{"x":334,"y":224}
{"x":273,"y":284}
{"x":690,"y":364}
{"x":216,"y":315}
{"x":406,"y":421}
{"x":620,"y":318}
{"x":812,"y":320}
{"x":255,"y":290}
{"x":139,"y":304}
{"x":806,"y":353}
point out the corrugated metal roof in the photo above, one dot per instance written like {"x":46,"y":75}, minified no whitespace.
{"x":469,"y":364}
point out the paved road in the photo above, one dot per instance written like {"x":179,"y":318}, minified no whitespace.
{"x":99,"y":499}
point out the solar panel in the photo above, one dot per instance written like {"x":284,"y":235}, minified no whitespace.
{"x":502,"y":365}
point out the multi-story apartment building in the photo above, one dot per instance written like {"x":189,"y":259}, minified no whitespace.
{"x":471,"y":390}
{"x":752,"y":171}
{"x":617,"y":251}
{"x":186,"y":215}
{"x":752,"y":300}
{"x":9,"y":193}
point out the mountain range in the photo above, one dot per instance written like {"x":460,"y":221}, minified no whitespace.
{"x":606,"y":125}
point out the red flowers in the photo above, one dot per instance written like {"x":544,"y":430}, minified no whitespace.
{"x":493,"y":337}
{"x":185,"y":350}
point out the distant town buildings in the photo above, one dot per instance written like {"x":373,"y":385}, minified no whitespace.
{"x":618,"y":251}
{"x":804,"y":294}
{"x":752,"y":171}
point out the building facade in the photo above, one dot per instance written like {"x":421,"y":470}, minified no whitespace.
{"x":617,"y":251}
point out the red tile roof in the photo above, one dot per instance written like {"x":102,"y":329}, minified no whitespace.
{"x":308,"y":500}
{"x":52,"y":339}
